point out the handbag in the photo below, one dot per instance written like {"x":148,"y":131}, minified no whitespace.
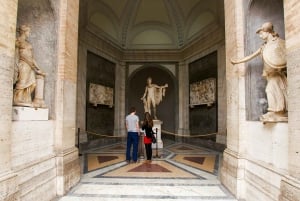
{"x":153,"y":138}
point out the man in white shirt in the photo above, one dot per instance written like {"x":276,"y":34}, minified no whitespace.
{"x":133,"y":128}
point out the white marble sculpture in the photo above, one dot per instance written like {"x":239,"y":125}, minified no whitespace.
{"x":153,"y":96}
{"x":274,"y":58}
{"x":29,"y":78}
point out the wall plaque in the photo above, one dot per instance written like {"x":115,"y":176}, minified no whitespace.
{"x":203,"y":92}
{"x":101,"y":95}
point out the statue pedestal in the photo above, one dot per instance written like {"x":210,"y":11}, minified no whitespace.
{"x":159,"y":143}
{"x":274,"y":117}
{"x":30,"y":114}
{"x":38,"y":101}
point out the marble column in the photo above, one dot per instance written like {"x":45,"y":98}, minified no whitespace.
{"x":8,"y":184}
{"x":290,"y":185}
{"x":119,"y":109}
{"x":183,"y":100}
{"x":68,"y":166}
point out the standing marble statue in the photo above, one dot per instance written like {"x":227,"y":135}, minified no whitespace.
{"x":153,"y":96}
{"x":274,"y":58}
{"x":29,"y":78}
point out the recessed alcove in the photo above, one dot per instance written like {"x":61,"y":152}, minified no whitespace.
{"x":257,"y":13}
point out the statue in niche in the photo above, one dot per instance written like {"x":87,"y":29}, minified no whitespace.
{"x":273,"y":55}
{"x":153,"y":96}
{"x":29,"y":78}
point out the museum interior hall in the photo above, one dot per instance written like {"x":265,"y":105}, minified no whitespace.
{"x":165,"y":100}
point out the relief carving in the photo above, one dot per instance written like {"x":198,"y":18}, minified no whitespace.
{"x":101,"y":95}
{"x":203,"y":92}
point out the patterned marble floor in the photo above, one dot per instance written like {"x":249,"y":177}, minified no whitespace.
{"x":181,"y":172}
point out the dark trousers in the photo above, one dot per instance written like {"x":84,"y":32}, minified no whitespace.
{"x":148,"y":148}
{"x":132,"y":139}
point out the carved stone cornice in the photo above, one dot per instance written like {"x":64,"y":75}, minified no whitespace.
{"x":151,"y":55}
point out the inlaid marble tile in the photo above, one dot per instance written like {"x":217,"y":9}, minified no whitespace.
{"x":203,"y":162}
{"x":96,"y":161}
{"x":157,"y":169}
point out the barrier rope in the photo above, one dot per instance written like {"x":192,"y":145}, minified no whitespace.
{"x":189,"y":136}
{"x":164,"y":132}
{"x":103,"y":135}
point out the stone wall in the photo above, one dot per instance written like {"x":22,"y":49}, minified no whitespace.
{"x":8,"y":178}
{"x":204,"y":118}
{"x":260,"y":160}
{"x":290,"y":185}
{"x":100,"y":118}
{"x":39,"y":158}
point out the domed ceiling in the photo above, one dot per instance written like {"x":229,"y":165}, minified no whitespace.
{"x":151,"y":24}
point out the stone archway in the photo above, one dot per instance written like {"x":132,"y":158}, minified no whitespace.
{"x":167,"y":110}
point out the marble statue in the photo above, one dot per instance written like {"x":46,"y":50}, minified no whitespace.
{"x":153,"y":96}
{"x":29,"y":78}
{"x":273,"y":55}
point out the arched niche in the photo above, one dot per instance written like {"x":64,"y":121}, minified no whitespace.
{"x":39,"y":15}
{"x":257,"y":13}
{"x":167,"y":110}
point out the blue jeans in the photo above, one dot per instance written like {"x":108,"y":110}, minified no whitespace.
{"x":132,"y":139}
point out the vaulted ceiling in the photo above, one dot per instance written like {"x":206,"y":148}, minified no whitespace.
{"x":151,"y":24}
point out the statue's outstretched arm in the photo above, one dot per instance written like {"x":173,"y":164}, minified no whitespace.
{"x":247,"y":58}
{"x":37,"y":69}
{"x":146,"y":88}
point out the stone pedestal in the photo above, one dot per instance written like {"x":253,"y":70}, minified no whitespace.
{"x":157,"y":127}
{"x":30,"y":114}
{"x":290,"y":189}
{"x":38,"y":101}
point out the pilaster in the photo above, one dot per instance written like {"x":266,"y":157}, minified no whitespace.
{"x":67,"y":161}
{"x":120,"y":77}
{"x":221,"y":96}
{"x":183,"y":99}
{"x":290,"y":184}
{"x":233,"y":165}
{"x":8,"y":182}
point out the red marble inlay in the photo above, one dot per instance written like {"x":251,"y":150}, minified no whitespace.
{"x":149,"y":168}
{"x":199,"y":160}
{"x":103,"y":159}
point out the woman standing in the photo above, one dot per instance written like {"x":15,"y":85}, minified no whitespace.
{"x":147,"y":127}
